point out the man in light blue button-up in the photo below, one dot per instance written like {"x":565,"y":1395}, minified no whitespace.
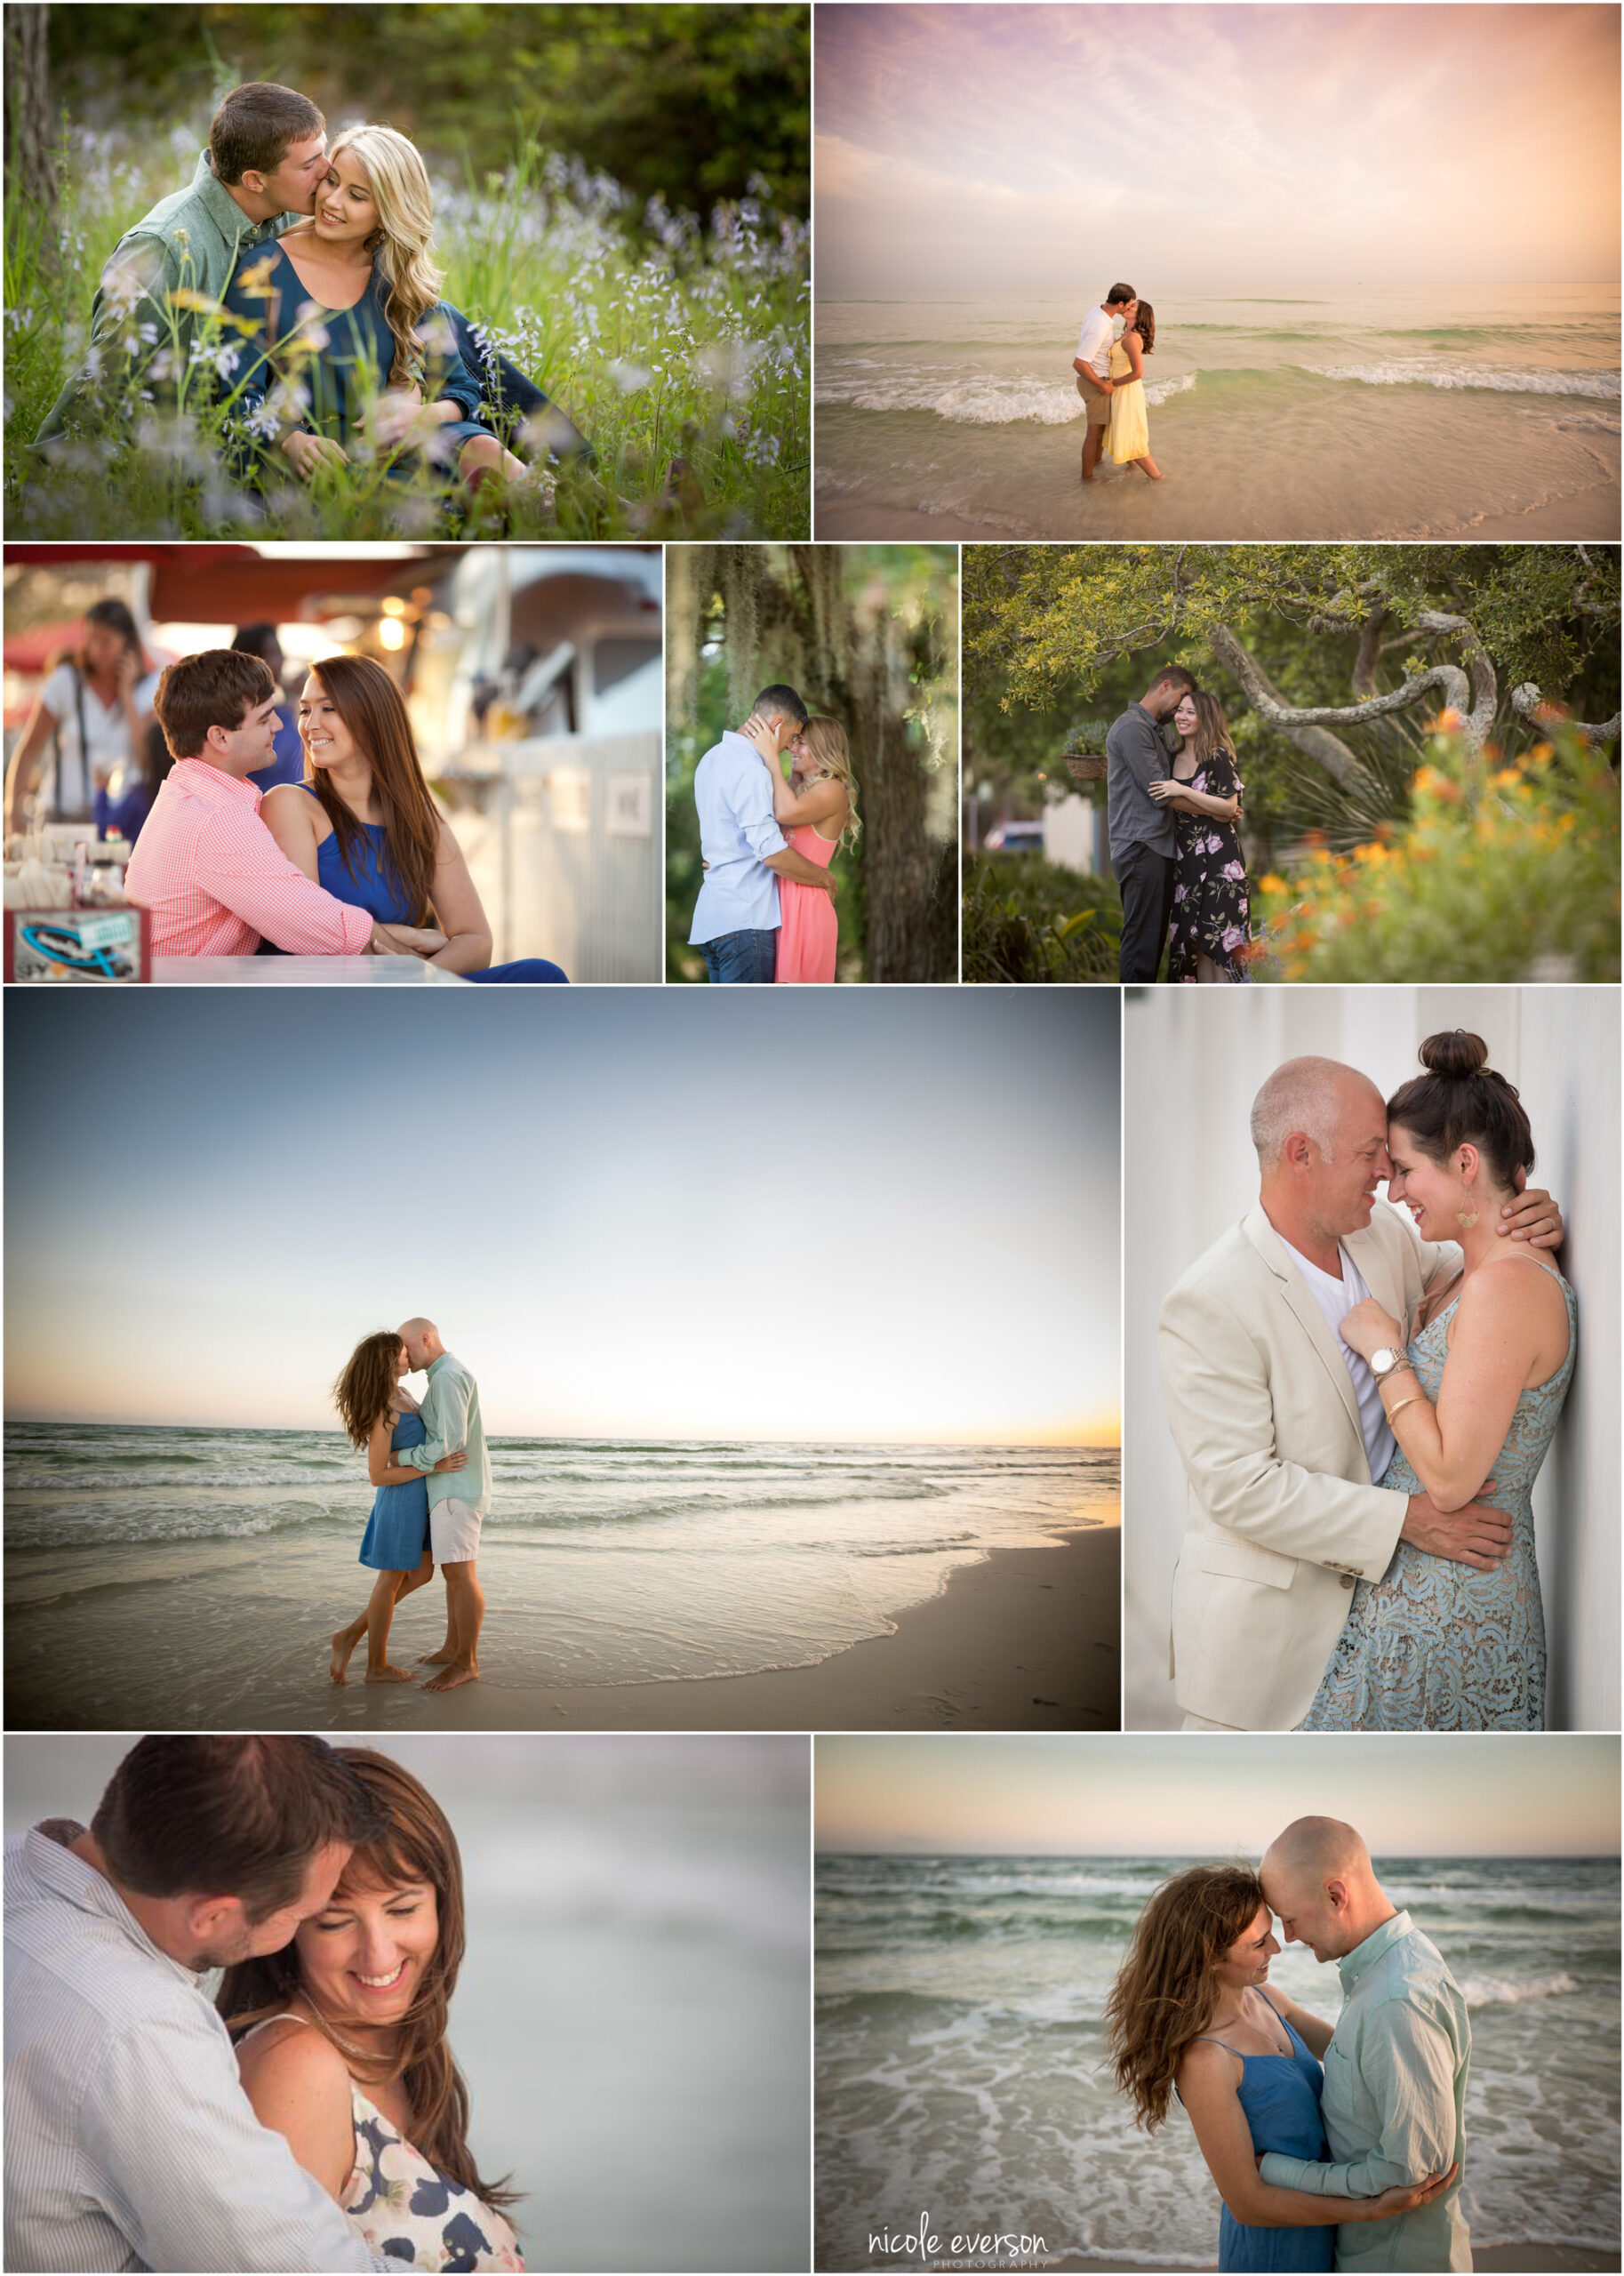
{"x":736,"y":917}
{"x":1395,"y":2098}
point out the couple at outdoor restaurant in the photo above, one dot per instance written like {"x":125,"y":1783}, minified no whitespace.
{"x":1362,"y":1400}
{"x":1173,"y":795}
{"x":765,"y":910}
{"x":310,"y":2116}
{"x":356,"y":860}
{"x":1111,"y":382}
{"x":1331,"y":2148}
{"x":302,"y":280}
{"x":423,"y":1513}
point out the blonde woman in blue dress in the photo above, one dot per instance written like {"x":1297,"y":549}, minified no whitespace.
{"x":1127,"y":439}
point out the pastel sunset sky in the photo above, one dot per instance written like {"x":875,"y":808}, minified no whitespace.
{"x":1238,"y":147}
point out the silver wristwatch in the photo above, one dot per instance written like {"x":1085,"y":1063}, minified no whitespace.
{"x":1384,"y":1360}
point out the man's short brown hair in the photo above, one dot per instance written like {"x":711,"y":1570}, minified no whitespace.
{"x":238,"y":1816}
{"x":254,"y":125}
{"x":217,"y":688}
{"x":1175,"y":676}
{"x":1119,"y":294}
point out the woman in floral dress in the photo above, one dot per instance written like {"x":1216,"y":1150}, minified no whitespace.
{"x":1210,"y":937}
{"x":341,"y":2041}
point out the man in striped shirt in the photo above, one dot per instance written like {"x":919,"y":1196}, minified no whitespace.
{"x":214,"y":879}
{"x":129,"y":2140}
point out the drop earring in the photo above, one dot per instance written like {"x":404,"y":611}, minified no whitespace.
{"x":1468,"y":1217}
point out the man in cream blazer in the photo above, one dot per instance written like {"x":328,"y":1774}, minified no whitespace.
{"x":1280,"y":1425}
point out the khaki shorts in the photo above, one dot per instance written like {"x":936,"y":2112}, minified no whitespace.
{"x":1098,"y":406}
{"x":453,"y":1533}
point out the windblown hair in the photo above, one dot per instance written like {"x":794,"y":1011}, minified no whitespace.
{"x":374,"y":710}
{"x":1144,"y":323}
{"x":1211,"y":727}
{"x":1164,"y":1993}
{"x":416,"y":1844}
{"x":1462,"y":1101}
{"x":398,"y":181}
{"x":365,"y":1387}
{"x":826,"y":741}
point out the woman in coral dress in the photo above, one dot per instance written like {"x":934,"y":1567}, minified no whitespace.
{"x":1127,"y":438}
{"x":817,"y":809}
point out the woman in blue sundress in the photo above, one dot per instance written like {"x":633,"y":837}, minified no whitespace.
{"x":1192,"y":2013}
{"x":365,"y":825}
{"x":1473,"y":1390}
{"x":378,"y":1413}
{"x":341,"y":2041}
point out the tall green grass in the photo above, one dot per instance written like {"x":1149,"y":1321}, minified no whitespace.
{"x":661,"y":337}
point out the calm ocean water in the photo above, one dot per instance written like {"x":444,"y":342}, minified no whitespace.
{"x":959,"y":2048}
{"x":617,"y":1560}
{"x":1421,"y":410}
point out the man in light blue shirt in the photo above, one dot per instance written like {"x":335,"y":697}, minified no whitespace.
{"x":736,"y":917}
{"x":458,"y":1501}
{"x":1394,"y":2103}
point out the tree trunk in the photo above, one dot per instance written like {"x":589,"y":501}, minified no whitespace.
{"x":30,"y":168}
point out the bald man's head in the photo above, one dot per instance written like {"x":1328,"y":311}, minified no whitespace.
{"x":1321,"y":1132}
{"x":1318,"y":1877}
{"x":422,"y":1339}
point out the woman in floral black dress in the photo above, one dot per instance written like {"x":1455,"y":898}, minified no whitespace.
{"x":1210,"y":937}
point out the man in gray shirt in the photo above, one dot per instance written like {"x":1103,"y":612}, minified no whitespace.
{"x":1143,"y":835}
{"x":1395,"y":2098}
{"x":129,"y":2140}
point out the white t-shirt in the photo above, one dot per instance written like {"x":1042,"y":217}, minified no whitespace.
{"x":1094,"y":343}
{"x":1336,"y":1299}
{"x":105,"y":732}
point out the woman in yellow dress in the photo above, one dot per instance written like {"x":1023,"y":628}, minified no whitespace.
{"x":1127,"y":440}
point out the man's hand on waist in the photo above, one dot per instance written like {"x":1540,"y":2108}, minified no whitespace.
{"x":1477,"y":1536}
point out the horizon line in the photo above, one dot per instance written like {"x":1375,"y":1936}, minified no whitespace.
{"x":666,"y":1438}
{"x":1400,"y":1857}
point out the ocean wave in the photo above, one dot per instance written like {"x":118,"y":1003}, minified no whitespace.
{"x":980,"y":400}
{"x":1415,"y":371}
{"x":1501,"y":1991}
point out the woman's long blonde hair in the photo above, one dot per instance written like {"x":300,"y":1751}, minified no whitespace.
{"x":398,"y":181}
{"x":826,"y":742}
{"x":1165,"y":1992}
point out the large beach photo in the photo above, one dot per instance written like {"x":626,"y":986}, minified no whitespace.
{"x":1074,"y":1997}
{"x":1243,"y":272}
{"x":629,"y":1362}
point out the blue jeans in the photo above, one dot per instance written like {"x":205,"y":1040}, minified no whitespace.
{"x":741,"y":957}
{"x":532,"y":970}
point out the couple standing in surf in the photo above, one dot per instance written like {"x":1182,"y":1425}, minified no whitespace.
{"x":1111,"y":382}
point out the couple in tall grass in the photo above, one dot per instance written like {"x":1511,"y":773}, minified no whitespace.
{"x":293,"y":286}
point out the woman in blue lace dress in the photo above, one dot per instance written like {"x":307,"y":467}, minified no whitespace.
{"x":364,"y":823}
{"x":1473,"y":1393}
{"x":342,"y":2049}
{"x":350,"y":350}
{"x":1192,"y":2013}
{"x":378,"y":1413}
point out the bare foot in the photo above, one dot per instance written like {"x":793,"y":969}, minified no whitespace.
{"x":343,"y":1645}
{"x":389,"y":1673}
{"x":459,"y":1671}
{"x":442,"y":1658}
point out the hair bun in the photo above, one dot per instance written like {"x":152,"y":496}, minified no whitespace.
{"x":1455,"y":1053}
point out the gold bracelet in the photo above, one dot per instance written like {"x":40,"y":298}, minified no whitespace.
{"x":1393,"y":1412}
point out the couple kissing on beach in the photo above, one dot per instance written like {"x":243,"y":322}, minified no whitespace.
{"x":1110,"y":372}
{"x":765,"y":911}
{"x":424,"y":1513}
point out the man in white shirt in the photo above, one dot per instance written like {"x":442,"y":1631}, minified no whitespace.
{"x":1093,"y":365}
{"x":736,"y":917}
{"x":1279,"y":1424}
{"x":129,"y":2141}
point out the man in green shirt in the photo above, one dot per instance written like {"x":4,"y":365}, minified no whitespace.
{"x":267,"y":151}
{"x":458,"y":1500}
{"x":1395,"y":2097}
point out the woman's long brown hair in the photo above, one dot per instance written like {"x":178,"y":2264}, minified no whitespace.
{"x":373,"y":710}
{"x":1211,"y":727}
{"x":1164,"y":1992}
{"x":418,"y":1845}
{"x":1144,"y":323}
{"x":365,"y":1387}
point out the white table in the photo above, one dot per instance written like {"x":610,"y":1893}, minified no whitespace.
{"x":295,"y":972}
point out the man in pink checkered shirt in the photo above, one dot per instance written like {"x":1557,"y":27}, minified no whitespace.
{"x":214,"y":879}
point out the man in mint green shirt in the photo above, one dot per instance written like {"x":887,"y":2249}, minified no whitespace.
{"x":1394,"y":2104}
{"x":267,"y":151}
{"x":458,"y":1500}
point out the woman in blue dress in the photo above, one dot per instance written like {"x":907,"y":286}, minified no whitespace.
{"x":350,"y":351}
{"x":364,"y":823}
{"x":379,"y":1413}
{"x":1192,"y":2013}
